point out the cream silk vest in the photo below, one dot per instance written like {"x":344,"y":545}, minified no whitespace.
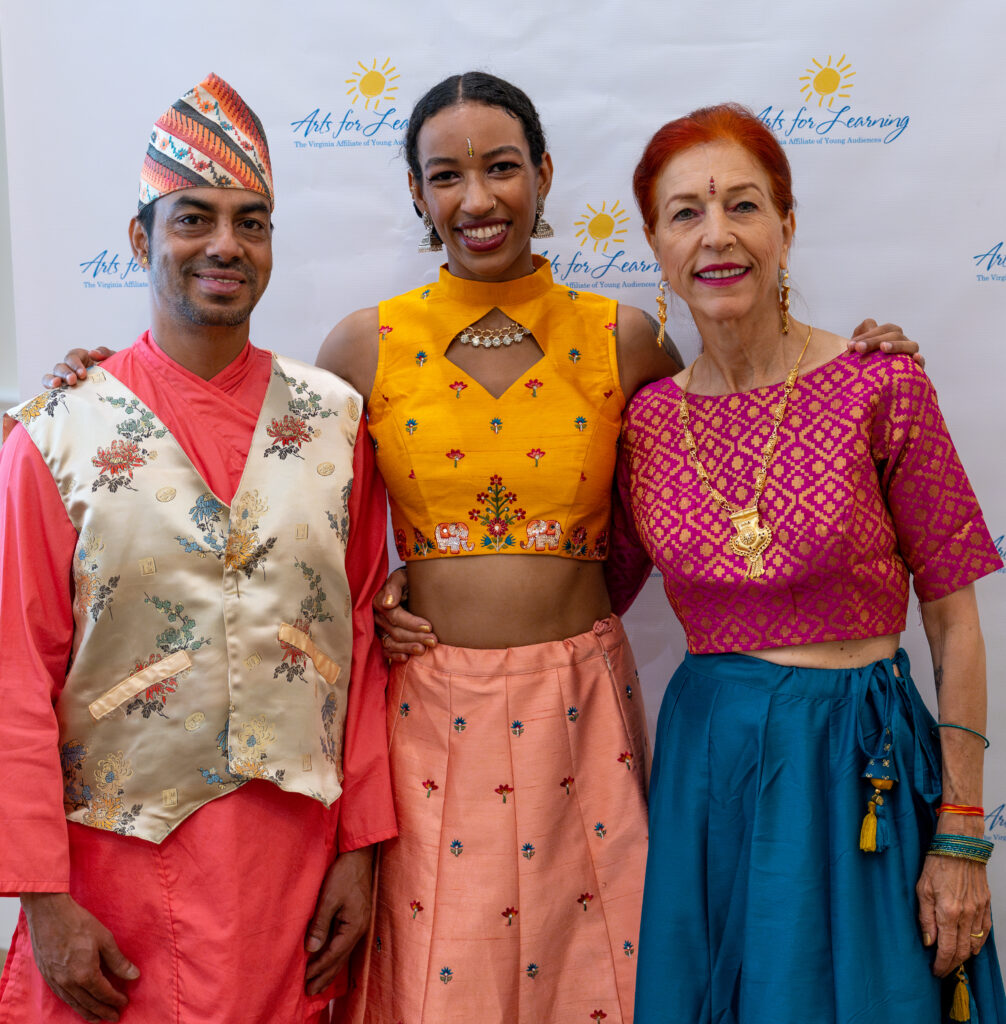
{"x":212,"y":644}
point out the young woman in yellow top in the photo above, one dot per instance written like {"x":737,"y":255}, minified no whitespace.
{"x":518,"y":740}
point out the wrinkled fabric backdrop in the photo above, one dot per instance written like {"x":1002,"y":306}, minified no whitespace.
{"x":890,"y":114}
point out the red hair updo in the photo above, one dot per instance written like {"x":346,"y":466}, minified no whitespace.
{"x":727,"y":122}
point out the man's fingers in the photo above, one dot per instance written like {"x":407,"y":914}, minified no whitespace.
{"x":74,"y":1004}
{"x":84,"y":1001}
{"x":322,"y":969}
{"x":117,"y":964}
{"x":320,"y":926}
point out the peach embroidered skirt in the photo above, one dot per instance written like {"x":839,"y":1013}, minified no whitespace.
{"x":513,"y":891}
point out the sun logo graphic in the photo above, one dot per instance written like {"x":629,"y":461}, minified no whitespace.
{"x":602,"y":226}
{"x":827,"y":81}
{"x":373,"y":84}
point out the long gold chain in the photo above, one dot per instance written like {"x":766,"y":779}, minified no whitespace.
{"x":752,"y":536}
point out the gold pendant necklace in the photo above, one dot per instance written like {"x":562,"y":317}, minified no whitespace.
{"x":752,"y":536}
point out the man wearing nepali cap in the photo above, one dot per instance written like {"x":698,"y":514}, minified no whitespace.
{"x":193,"y":762}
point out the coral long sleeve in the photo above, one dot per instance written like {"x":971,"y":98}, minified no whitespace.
{"x":36,"y":624}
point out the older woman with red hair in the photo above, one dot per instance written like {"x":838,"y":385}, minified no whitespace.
{"x":786,"y":488}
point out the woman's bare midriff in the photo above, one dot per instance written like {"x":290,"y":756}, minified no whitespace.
{"x":490,"y":601}
{"x":832,"y":653}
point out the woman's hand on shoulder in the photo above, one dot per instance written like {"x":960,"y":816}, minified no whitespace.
{"x":640,"y":358}
{"x":351,"y":350}
{"x":74,"y":366}
{"x":888,"y":338}
{"x":402,"y":633}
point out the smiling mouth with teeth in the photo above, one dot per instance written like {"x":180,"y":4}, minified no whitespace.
{"x":714,"y":275}
{"x":491,"y":231}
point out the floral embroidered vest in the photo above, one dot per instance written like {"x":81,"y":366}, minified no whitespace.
{"x":211,"y":644}
{"x":527,"y":473}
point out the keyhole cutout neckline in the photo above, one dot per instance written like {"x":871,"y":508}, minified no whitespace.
{"x":495,"y":370}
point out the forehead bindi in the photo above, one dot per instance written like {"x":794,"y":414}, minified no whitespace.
{"x":490,"y":130}
{"x":711,"y":170}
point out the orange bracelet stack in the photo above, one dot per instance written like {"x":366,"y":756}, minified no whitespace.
{"x":978,"y":812}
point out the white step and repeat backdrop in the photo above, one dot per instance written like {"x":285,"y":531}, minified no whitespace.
{"x":890,"y":115}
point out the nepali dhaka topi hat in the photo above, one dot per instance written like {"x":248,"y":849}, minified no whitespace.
{"x":208,"y":137}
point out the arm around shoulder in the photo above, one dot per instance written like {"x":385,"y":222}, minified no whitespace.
{"x":351,"y":350}
{"x":640,"y":357}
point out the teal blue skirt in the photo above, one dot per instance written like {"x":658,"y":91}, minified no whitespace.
{"x":759,"y":905}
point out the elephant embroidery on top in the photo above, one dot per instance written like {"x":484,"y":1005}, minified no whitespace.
{"x":453,"y":537}
{"x":542,"y":534}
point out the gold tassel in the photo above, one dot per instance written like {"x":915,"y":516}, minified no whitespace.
{"x":868,"y":833}
{"x":961,"y":1010}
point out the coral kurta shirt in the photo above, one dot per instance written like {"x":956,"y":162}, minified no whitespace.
{"x":215,"y":916}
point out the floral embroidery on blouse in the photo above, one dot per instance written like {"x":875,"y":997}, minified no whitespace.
{"x":533,"y":384}
{"x":574,"y":355}
{"x":423,"y":545}
{"x":457,"y":847}
{"x":497,"y":514}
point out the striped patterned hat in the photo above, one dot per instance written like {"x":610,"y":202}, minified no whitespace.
{"x":208,"y":137}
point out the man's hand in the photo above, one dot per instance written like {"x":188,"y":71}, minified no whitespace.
{"x":889,"y":338}
{"x":340,"y":918}
{"x":70,"y":946}
{"x":74,"y":366}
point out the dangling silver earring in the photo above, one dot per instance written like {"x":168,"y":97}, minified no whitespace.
{"x":542,"y":228}
{"x":430,"y":242}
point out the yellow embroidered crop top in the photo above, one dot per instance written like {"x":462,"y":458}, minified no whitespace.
{"x":528,"y":472}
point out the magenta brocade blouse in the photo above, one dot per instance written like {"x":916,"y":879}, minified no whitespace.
{"x":865,"y":488}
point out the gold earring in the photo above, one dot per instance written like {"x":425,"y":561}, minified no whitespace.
{"x":542,"y":228}
{"x":784,"y":298}
{"x":144,"y":260}
{"x":430,"y":242}
{"x":661,"y":313}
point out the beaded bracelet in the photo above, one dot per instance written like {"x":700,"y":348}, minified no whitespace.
{"x":965,"y":809}
{"x":963,"y":728}
{"x":946,"y":844}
